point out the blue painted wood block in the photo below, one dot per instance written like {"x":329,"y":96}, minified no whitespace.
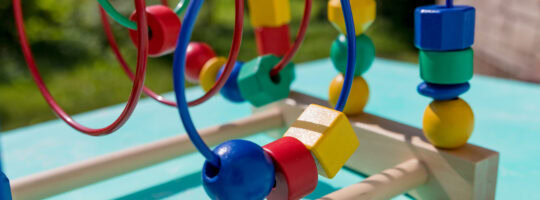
{"x":230,"y":90}
{"x":246,"y":171}
{"x":442,"y":28}
{"x":442,"y":92}
{"x":5,"y":189}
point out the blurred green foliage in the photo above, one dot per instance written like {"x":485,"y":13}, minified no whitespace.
{"x":74,"y":59}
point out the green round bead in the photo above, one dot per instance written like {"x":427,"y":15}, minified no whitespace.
{"x":256,"y":85}
{"x":365,"y":54}
{"x":446,"y":67}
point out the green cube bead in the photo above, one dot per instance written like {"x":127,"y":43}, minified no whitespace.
{"x":365,"y":54}
{"x":256,"y":85}
{"x":446,"y":67}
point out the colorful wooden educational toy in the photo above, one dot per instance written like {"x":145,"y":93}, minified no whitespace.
{"x":314,"y":137}
{"x":445,"y":35}
{"x":365,"y":53}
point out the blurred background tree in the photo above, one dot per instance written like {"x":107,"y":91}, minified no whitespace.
{"x":73,"y":55}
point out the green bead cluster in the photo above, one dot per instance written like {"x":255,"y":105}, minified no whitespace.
{"x":258,"y":87}
{"x":365,"y":54}
{"x":446,"y":67}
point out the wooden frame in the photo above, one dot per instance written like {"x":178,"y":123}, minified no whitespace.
{"x":469,"y":172}
{"x":409,"y":162}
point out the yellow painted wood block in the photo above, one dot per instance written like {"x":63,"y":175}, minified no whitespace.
{"x":329,"y":136}
{"x":209,"y":72}
{"x":448,"y":124}
{"x":363,"y":11}
{"x":269,"y":13}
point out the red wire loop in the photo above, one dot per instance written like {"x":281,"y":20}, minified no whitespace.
{"x":298,"y":41}
{"x":122,"y":61}
{"x":136,"y":90}
{"x":233,"y":54}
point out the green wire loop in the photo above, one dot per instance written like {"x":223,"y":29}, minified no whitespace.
{"x":124,"y":21}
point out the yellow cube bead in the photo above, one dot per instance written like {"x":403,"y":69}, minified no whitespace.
{"x":269,"y":13}
{"x":209,"y":71}
{"x":448,"y":124}
{"x":363,"y":11}
{"x":358,"y":97}
{"x":329,"y":136}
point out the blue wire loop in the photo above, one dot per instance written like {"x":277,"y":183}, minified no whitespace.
{"x":179,"y":70}
{"x":351,"y":55}
{"x":179,"y":63}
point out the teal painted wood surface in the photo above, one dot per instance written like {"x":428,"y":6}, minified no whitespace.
{"x":507,"y":120}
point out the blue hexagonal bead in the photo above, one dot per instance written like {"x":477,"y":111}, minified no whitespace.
{"x":442,"y":28}
{"x":230,"y":90}
{"x":246,"y":171}
{"x":442,"y":92}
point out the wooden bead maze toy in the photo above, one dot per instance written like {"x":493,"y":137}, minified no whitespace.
{"x":313,"y":136}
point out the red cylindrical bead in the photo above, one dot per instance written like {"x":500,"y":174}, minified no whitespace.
{"x":273,"y":40}
{"x":296,"y":171}
{"x":196,"y":56}
{"x":163,"y":26}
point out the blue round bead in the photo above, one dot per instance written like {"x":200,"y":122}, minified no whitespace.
{"x":230,"y":90}
{"x":245,"y":172}
{"x":442,"y":28}
{"x":442,"y":92}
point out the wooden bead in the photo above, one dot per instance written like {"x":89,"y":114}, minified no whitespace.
{"x":441,"y":28}
{"x":230,"y":90}
{"x":258,"y":87}
{"x":246,"y":171}
{"x":365,"y":54}
{"x":296,"y":171}
{"x":273,"y":40}
{"x":197,"y":55}
{"x":358,"y":96}
{"x":164,"y":26}
{"x":446,"y":67}
{"x":210,"y":71}
{"x":448,"y":124}
{"x":269,"y":13}
{"x":442,"y":92}
{"x":363,"y":15}
{"x":5,"y":188}
{"x":329,"y":136}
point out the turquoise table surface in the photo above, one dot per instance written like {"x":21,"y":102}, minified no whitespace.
{"x":507,"y":120}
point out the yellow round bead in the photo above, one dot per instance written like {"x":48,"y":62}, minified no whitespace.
{"x":209,"y":72}
{"x":448,"y":124}
{"x":358,"y":96}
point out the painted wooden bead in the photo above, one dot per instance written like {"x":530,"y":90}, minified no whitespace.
{"x":197,"y":55}
{"x":446,"y":67}
{"x":365,"y":54}
{"x":230,"y":90}
{"x":296,"y":171}
{"x":210,"y":71}
{"x":258,"y":87}
{"x":246,"y":171}
{"x":273,"y":40}
{"x":5,"y":188}
{"x":269,"y":13}
{"x":329,"y":136}
{"x":358,"y":96}
{"x":441,"y":28}
{"x":363,"y":15}
{"x":442,"y":92}
{"x":164,"y":26}
{"x":448,"y":124}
